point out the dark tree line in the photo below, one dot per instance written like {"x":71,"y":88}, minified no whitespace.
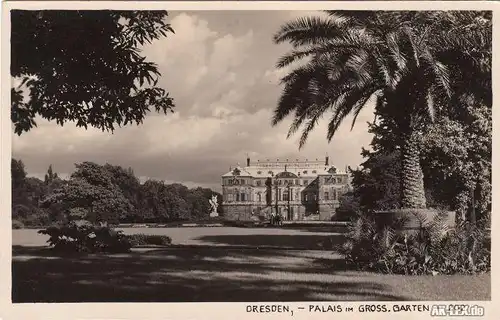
{"x":102,"y":193}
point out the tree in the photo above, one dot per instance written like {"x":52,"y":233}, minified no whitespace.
{"x":127,"y":182}
{"x":154,"y":203}
{"x":408,"y":62}
{"x":18,"y":173}
{"x":455,"y":156}
{"x":85,"y":67}
{"x":50,"y":175}
{"x":377,"y":183}
{"x":90,"y":194}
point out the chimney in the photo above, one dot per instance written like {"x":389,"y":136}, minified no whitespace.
{"x":326,"y":161}
{"x":248,"y":161}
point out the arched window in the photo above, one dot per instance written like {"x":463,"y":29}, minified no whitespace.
{"x":259,"y":197}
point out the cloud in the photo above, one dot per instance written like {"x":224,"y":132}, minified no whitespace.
{"x":219,"y":68}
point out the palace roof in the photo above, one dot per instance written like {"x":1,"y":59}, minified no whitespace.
{"x":284,"y":169}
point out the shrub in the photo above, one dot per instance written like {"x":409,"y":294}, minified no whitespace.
{"x":431,"y":249}
{"x":16,"y":224}
{"x":82,"y":236}
{"x":146,"y":239}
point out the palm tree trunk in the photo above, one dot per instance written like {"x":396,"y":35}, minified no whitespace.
{"x":412,"y":177}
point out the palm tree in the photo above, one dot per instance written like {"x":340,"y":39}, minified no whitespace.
{"x":410,"y":63}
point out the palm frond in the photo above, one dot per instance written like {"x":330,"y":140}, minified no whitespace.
{"x":309,"y":31}
{"x":344,"y":105}
{"x":431,"y":110}
{"x":350,"y":43}
{"x":414,"y":47}
{"x":398,"y":57}
{"x":359,"y":106}
{"x":439,"y":71}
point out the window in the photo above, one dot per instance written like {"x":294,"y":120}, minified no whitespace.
{"x":237,"y":197}
{"x":314,"y":171}
{"x":285,"y":196}
{"x":242,"y":181}
{"x":242,"y":197}
{"x":259,"y":197}
{"x":327,"y":196}
{"x":314,"y":197}
{"x":305,"y":172}
{"x":306,"y":197}
{"x":334,"y":194}
{"x":259,"y":172}
{"x":305,"y":182}
{"x":297,"y":182}
{"x":339,"y":180}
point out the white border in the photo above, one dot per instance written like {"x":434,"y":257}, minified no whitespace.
{"x":195,"y":310}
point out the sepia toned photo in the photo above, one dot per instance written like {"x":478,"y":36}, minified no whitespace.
{"x":251,"y":156}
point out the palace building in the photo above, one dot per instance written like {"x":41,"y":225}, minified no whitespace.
{"x":298,"y":190}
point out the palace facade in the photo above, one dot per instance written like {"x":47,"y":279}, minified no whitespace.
{"x":298,"y":190}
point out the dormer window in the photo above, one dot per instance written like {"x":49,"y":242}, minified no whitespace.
{"x":305,"y":172}
{"x":259,"y":172}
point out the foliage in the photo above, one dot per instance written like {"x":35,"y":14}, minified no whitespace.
{"x":87,"y":69}
{"x":128,"y":184}
{"x":377,"y":184}
{"x":162,"y":203}
{"x":16,"y":224}
{"x":26,"y":194}
{"x":148,"y":239}
{"x":349,"y":207}
{"x":457,"y":158}
{"x":90,"y":195}
{"x":78,"y":236}
{"x":350,"y":58}
{"x":103,"y":193}
{"x":18,"y":173}
{"x":432,"y":249}
{"x":50,"y":176}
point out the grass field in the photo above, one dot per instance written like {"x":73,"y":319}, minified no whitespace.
{"x":220,"y":264}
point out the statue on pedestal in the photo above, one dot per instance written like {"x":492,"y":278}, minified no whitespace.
{"x":214,"y":205}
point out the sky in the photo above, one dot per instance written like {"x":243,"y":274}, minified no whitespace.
{"x":219,"y":67}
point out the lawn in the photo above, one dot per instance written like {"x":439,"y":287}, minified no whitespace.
{"x":218,"y":265}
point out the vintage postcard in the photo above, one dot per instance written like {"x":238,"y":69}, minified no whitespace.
{"x":217,"y":160}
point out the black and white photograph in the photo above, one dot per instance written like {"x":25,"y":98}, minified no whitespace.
{"x":165,"y":155}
